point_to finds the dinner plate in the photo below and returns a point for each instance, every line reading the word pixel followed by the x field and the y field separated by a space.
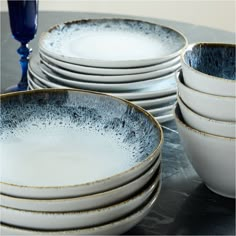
pixel 111 78
pixel 113 228
pixel 44 74
pixel 156 102
pixel 160 110
pixel 158 89
pixel 165 118
pixel 146 103
pixel 109 71
pixel 112 43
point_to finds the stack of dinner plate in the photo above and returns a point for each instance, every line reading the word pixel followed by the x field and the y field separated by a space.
pixel 76 162
pixel 131 59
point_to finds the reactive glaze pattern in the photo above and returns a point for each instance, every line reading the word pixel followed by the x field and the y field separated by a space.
pixel 99 39
pixel 75 111
pixel 212 59
pixel 95 43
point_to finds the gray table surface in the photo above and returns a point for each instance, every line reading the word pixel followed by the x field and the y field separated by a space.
pixel 185 205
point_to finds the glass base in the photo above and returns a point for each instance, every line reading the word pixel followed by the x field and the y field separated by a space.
pixel 16 88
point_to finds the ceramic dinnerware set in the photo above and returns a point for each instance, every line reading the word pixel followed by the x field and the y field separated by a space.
pixel 76 163
pixel 206 113
pixel 130 59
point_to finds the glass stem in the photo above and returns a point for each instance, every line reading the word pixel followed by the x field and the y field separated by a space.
pixel 24 52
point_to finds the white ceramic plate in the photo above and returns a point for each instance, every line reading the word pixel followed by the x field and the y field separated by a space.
pixel 156 102
pixel 79 219
pixel 113 228
pixel 111 78
pixel 48 75
pixel 165 118
pixel 61 126
pixel 109 71
pixel 112 43
pixel 160 110
pixel 158 89
pixel 88 202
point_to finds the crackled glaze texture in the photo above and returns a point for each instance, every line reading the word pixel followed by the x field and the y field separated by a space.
pixel 97 130
pixel 100 39
pixel 216 60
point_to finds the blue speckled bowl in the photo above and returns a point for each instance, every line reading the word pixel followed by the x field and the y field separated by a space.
pixel 42 115
pixel 210 68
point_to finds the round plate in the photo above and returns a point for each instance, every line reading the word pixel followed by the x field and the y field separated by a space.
pixel 109 71
pixel 111 78
pixel 50 78
pixel 156 102
pixel 112 43
pixel 160 89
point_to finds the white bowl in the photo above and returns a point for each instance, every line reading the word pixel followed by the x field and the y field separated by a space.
pixel 113 228
pixel 79 219
pixel 70 143
pixel 213 157
pixel 208 105
pixel 210 68
pixel 87 202
pixel 201 123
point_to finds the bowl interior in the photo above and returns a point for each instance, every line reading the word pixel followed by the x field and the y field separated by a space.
pixel 68 137
pixel 212 59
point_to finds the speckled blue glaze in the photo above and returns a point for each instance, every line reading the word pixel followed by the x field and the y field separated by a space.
pixel 213 59
pixel 79 110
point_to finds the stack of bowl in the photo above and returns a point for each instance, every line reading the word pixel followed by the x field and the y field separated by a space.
pixel 127 58
pixel 205 113
pixel 76 162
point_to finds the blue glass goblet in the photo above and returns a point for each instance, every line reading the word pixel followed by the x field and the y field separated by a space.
pixel 23 21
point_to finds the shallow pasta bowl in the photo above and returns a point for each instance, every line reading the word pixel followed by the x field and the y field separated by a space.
pixel 79 219
pixel 86 202
pixel 65 143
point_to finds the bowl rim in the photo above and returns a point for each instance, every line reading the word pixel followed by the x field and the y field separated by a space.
pixel 178 76
pixel 152 156
pixel 198 132
pixel 163 58
pixel 188 109
pixel 191 46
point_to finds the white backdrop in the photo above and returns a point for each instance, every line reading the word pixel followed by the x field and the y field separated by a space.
pixel 213 13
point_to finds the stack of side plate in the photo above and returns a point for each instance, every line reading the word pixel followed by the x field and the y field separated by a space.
pixel 76 162
pixel 131 59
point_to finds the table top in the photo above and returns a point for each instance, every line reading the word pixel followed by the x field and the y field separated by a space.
pixel 185 205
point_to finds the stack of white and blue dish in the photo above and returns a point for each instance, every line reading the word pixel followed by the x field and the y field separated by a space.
pixel 130 59
pixel 76 163
pixel 206 113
